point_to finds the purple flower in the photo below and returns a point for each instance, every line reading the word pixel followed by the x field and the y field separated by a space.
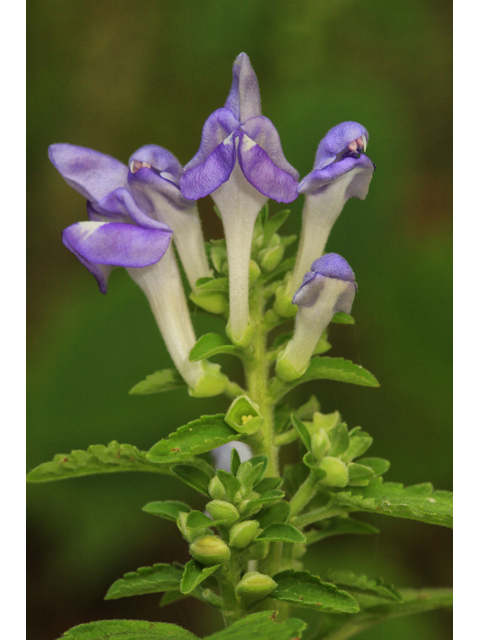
pixel 341 171
pixel 241 164
pixel 329 287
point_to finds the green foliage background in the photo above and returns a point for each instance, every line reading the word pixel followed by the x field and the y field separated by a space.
pixel 115 75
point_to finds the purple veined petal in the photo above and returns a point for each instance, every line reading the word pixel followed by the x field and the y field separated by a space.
pixel 336 141
pixel 202 179
pixel 263 174
pixel 145 181
pixel 333 265
pixel 122 202
pixel 159 159
pixel 95 214
pixel 218 126
pixel 262 131
pixel 357 188
pixel 100 271
pixel 244 97
pixel 117 244
pixel 91 173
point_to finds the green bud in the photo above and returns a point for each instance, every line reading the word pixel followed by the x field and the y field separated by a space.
pixel 255 586
pixel 259 550
pixel 325 421
pixel 218 254
pixel 245 340
pixel 216 488
pixel 271 258
pixel 189 533
pixel 320 443
pixel 211 301
pixel 283 304
pixel 285 369
pixel 254 271
pixel 212 382
pixel 223 510
pixel 336 470
pixel 243 533
pixel 244 416
pixel 210 550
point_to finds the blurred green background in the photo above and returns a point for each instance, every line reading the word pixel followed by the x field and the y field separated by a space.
pixel 116 75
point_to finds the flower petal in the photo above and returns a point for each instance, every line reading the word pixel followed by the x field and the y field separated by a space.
pixel 100 271
pixel 263 132
pixel 91 173
pixel 159 159
pixel 336 141
pixel 113 243
pixel 244 97
pixel 362 169
pixel 262 173
pixel 122 202
pixel 145 182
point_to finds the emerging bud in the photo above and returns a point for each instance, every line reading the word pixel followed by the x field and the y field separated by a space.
pixel 210 550
pixel 216 488
pixel 255 586
pixel 223 510
pixel 190 534
pixel 320 443
pixel 336 470
pixel 243 533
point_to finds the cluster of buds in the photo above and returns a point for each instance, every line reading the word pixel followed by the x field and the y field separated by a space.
pixel 135 210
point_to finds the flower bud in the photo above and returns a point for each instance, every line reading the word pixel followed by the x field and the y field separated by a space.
pixel 243 533
pixel 244 416
pixel 254 272
pixel 216 488
pixel 189 533
pixel 211 301
pixel 210 550
pixel 255 586
pixel 211 383
pixel 223 510
pixel 336 470
pixel 320 443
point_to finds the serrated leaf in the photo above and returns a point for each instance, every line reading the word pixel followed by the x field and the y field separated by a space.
pixel 168 509
pixel 262 626
pixel 342 318
pixel 212 344
pixel 96 459
pixel 281 532
pixel 159 577
pixel 274 513
pixel 212 284
pixel 363 585
pixel 199 436
pixel 273 224
pixel 418 502
pixel 267 498
pixel 128 630
pixel 196 478
pixel 301 589
pixel 230 483
pixel 339 369
pixel 158 382
pixel 268 484
pixel 339 526
pixel 302 431
pixel 195 574
pixel 379 466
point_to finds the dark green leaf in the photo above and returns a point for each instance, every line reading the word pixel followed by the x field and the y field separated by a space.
pixel 418 502
pixel 379 466
pixel 363 585
pixel 281 532
pixel 158 382
pixel 211 344
pixel 339 526
pixel 169 509
pixel 273 224
pixel 199 436
pixel 230 482
pixel 212 284
pixel 160 577
pixel 294 475
pixel 339 440
pixel 301 430
pixel 274 513
pixel 267 498
pixel 196 478
pixel 263 627
pixel 268 484
pixel 343 318
pixel 97 459
pixel 128 630
pixel 194 575
pixel 301 589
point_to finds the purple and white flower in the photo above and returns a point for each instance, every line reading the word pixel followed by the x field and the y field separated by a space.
pixel 121 233
pixel 341 171
pixel 329 287
pixel 240 162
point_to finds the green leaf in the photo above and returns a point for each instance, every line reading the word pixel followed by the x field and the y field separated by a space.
pixel 171 596
pixel 158 382
pixel 234 461
pixel 194 575
pixel 339 369
pixel 339 440
pixel 212 284
pixel 294 475
pixel 281 532
pixel 211 344
pixel 306 411
pixel 310 461
pixel 159 577
pixel 339 526
pixel 342 318
pixel 198 520
pixel 268 484
pixel 260 462
pixel 199 436
pixel 277 512
pixel 301 589
pixel 418 502
pixel 285 265
pixel 261 625
pixel 96 459
pixel 168 509
pixel 196 478
pixel 128 630
pixel 302 431
pixel 267 498
pixel 379 466
pixel 273 224
pixel 359 472
pixel 363 585
pixel 230 482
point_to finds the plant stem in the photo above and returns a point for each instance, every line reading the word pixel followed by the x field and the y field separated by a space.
pixel 304 494
pixel 228 577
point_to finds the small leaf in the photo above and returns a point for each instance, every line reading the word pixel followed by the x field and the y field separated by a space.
pixel 339 526
pixel 159 577
pixel 260 461
pixel 230 482
pixel 359 472
pixel 306 411
pixel 363 585
pixel 285 265
pixel 168 509
pixel 193 476
pixel 342 318
pixel 194 575
pixel 281 532
pixel 198 520
pixel 302 431
pixel 301 589
pixel 312 464
pixel 339 440
pixel 418 502
pixel 278 512
pixel 158 382
pixel 294 475
pixel 97 459
pixel 268 484
pixel 212 284
pixel 171 596
pixel 199 436
pixel 211 344
pixel 128 630
pixel 261 626
pixel 267 498
pixel 379 466
pixel 234 461
pixel 273 224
